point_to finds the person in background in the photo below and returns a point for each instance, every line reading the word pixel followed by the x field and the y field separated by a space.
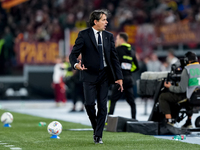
pixel 154 64
pixel 77 90
pixel 68 74
pixel 58 84
pixel 129 64
pixel 171 59
pixel 68 68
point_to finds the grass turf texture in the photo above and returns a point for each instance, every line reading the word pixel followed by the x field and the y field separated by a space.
pixel 26 134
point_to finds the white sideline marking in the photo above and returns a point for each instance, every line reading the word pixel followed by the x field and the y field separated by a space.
pixel 9 145
pixel 15 148
pixel 89 129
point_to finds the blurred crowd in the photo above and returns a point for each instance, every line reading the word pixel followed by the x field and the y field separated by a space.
pixel 46 20
pixel 43 20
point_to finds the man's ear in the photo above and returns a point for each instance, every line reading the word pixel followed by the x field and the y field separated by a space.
pixel 95 22
pixel 121 40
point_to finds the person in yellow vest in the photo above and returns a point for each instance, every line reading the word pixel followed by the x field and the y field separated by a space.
pixel 68 74
pixel 129 64
pixel 68 68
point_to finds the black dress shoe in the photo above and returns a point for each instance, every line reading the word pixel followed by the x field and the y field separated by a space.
pixel 98 140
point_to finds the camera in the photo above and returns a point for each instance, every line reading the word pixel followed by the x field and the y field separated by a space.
pixel 176 70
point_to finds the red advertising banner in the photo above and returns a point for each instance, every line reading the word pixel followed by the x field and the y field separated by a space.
pixel 37 52
pixel 178 33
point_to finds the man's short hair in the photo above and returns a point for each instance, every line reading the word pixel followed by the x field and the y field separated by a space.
pixel 191 56
pixel 96 15
pixel 124 36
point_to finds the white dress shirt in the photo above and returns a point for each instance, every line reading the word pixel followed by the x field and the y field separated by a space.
pixel 96 37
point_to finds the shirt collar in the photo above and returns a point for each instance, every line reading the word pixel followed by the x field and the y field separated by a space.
pixel 95 31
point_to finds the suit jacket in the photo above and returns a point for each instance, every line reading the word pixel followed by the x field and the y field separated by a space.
pixel 86 45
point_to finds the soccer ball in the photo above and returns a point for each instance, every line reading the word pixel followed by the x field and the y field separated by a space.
pixel 54 128
pixel 7 118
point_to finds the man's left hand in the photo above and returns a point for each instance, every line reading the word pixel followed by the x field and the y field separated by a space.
pixel 120 82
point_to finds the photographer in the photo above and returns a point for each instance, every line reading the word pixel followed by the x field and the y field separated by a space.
pixel 188 83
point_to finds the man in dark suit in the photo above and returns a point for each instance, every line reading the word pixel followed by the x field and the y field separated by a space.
pixel 99 67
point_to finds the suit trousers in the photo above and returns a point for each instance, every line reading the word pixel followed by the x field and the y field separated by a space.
pixel 97 90
pixel 128 91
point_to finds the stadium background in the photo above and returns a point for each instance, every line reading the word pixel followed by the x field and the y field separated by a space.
pixel 33 32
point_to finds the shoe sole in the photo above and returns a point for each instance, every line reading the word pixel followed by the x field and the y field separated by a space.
pixel 98 142
pixel 188 127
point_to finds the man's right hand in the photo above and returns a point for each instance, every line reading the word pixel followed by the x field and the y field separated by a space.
pixel 167 84
pixel 80 67
pixel 120 83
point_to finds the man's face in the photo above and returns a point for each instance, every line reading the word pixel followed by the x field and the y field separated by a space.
pixel 101 24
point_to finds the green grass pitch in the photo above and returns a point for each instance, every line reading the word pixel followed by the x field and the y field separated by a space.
pixel 26 134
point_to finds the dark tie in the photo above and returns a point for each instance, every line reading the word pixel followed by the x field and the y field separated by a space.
pixel 100 48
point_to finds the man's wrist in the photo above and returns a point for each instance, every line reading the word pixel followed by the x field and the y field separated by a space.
pixel 75 65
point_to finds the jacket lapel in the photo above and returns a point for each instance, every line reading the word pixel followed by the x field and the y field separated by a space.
pixel 92 37
pixel 105 41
